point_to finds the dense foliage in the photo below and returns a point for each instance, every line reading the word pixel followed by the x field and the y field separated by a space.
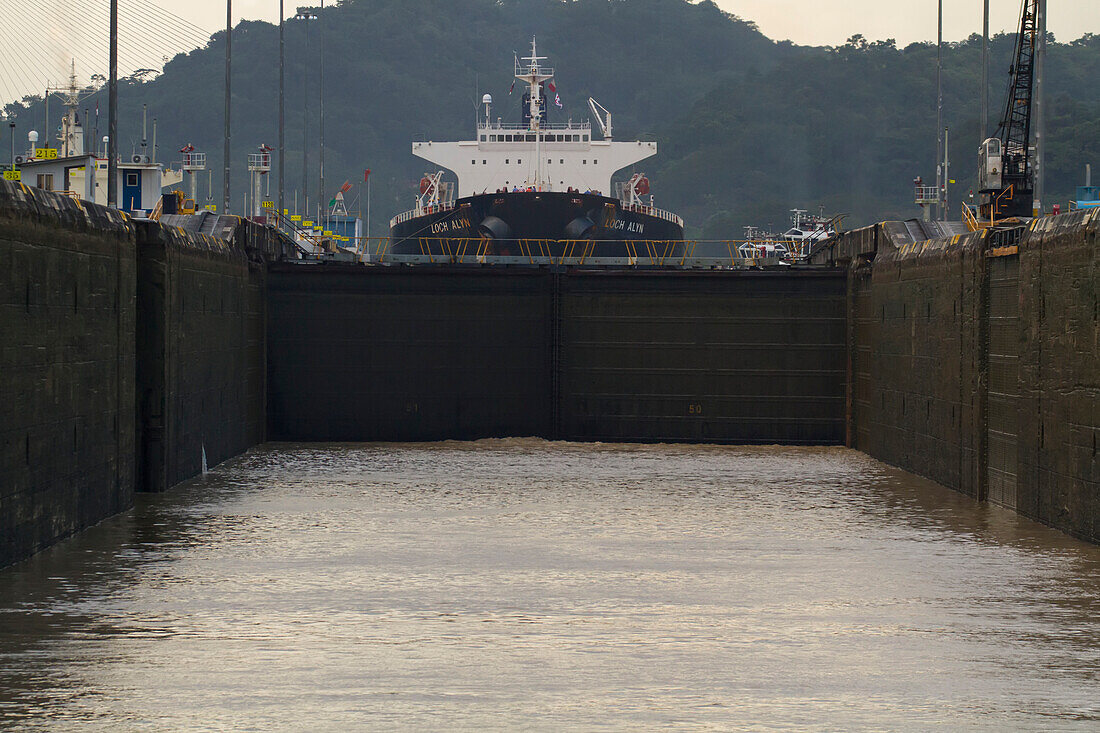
pixel 748 127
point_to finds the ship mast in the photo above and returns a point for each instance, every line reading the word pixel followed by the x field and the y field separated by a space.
pixel 534 74
pixel 71 134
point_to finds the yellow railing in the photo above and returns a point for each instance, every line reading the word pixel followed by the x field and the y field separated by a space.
pixel 995 208
pixel 643 252
pixel 972 223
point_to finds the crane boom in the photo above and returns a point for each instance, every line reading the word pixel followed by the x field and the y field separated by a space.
pixel 603 117
pixel 1007 181
pixel 1015 128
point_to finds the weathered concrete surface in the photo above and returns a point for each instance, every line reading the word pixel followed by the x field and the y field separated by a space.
pixel 977 365
pixel 1059 372
pixel 434 353
pixel 720 357
pixel 426 353
pixel 67 312
pixel 127 348
pixel 917 384
pixel 864 243
pixel 201 372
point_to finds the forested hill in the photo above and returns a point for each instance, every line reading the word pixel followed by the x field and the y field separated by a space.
pixel 748 127
pixel 848 128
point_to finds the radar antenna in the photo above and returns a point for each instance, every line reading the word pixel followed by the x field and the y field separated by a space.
pixel 603 117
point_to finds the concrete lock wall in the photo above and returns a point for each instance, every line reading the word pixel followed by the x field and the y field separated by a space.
pixel 127 347
pixel 201 354
pixel 978 365
pixel 435 353
pixel 915 323
pixel 1059 374
pixel 67 312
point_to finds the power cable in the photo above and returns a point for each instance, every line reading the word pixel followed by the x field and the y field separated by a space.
pixel 25 69
pixel 180 22
pixel 163 34
pixel 159 41
pixel 56 50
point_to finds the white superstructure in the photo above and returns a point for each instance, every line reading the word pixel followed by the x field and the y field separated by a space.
pixel 72 169
pixel 545 157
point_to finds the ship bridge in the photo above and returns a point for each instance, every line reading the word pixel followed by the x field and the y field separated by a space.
pixel 554 157
pixel 535 154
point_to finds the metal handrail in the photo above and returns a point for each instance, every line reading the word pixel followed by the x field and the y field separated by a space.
pixel 926 194
pixel 639 252
pixel 543 126
pixel 972 223
pixel 448 205
pixel 994 208
pixel 421 211
pixel 653 211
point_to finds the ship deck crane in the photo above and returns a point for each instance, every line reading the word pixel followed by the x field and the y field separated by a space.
pixel 603 117
pixel 1007 171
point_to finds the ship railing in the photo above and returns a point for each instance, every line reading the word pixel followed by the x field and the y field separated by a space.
pixel 421 211
pixel 543 126
pixel 448 205
pixel 653 211
pixel 677 254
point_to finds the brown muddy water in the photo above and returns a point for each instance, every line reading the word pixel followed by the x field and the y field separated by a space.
pixel 525 584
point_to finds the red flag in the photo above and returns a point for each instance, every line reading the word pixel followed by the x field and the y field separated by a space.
pixel 366 175
pixel 551 87
pixel 346 187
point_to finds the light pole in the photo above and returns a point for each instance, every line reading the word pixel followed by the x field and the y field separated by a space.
pixel 305 15
pixel 321 108
pixel 228 82
pixel 1040 108
pixel 282 146
pixel 112 112
pixel 939 108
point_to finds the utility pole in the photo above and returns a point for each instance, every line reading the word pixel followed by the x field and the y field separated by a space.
pixel 939 106
pixel 946 172
pixel 1040 107
pixel 228 82
pixel 305 15
pixel 321 106
pixel 282 79
pixel 112 112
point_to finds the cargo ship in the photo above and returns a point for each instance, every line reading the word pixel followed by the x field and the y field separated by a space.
pixel 535 185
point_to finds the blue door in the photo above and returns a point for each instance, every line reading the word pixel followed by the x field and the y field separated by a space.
pixel 131 190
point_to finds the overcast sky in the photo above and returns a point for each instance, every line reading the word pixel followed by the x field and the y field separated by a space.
pixel 35 60
pixel 811 22
pixel 831 22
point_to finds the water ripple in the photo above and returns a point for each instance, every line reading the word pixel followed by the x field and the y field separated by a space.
pixel 542 585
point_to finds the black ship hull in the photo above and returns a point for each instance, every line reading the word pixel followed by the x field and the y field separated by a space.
pixel 528 222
